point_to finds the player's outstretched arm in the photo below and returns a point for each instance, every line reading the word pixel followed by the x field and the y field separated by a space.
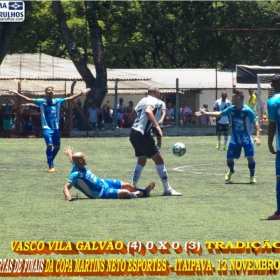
pixel 66 192
pixel 22 96
pixel 257 139
pixel 68 151
pixel 83 91
pixel 210 114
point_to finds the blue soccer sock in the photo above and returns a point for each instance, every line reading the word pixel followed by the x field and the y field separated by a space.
pixel 49 157
pixel 143 191
pixel 251 167
pixel 231 166
pixel 278 196
pixel 54 153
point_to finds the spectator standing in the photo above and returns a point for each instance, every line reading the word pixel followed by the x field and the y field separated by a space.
pixel 204 119
pixel 185 111
pixel 93 113
pixel 252 102
pixel 7 116
pixel 120 110
pixel 78 115
pixel 128 120
pixel 169 117
pixel 108 117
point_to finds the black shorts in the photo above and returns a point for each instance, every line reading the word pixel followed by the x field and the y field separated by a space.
pixel 222 127
pixel 154 131
pixel 144 145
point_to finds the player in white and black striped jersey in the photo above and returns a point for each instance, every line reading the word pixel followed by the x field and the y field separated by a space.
pixel 144 144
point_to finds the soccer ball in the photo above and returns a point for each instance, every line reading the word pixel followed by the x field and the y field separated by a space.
pixel 179 149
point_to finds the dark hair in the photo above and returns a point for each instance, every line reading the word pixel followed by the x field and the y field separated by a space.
pixel 239 92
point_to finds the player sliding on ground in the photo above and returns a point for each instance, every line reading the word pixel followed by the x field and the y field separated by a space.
pixel 93 187
pixel 241 135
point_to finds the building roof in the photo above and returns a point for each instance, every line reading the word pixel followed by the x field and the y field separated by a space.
pixel 37 71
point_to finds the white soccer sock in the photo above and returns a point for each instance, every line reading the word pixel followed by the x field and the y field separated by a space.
pixel 162 173
pixel 225 140
pixel 219 138
pixel 136 174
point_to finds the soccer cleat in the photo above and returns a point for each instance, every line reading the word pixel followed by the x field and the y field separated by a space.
pixel 172 192
pixel 148 189
pixel 274 217
pixel 218 145
pixel 253 180
pixel 225 148
pixel 51 170
pixel 228 176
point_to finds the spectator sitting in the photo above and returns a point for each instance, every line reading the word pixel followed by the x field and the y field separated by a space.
pixel 190 121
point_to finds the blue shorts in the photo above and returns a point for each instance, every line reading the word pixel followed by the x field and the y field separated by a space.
pixel 112 191
pixel 52 137
pixel 277 164
pixel 234 151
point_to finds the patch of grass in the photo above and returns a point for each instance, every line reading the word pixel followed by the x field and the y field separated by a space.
pixel 33 206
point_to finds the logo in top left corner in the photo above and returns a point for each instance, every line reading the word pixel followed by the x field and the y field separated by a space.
pixel 16 6
pixel 12 11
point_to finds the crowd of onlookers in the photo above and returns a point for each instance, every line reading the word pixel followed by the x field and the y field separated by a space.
pixel 90 118
pixel 103 118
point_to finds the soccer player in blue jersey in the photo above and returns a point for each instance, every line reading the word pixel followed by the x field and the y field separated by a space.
pixel 242 117
pixel 50 113
pixel 273 106
pixel 93 187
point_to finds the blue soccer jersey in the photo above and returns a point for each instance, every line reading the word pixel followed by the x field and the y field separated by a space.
pixel 50 112
pixel 273 109
pixel 242 120
pixel 92 186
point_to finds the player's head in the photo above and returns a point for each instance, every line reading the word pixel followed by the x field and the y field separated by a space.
pixel 275 82
pixel 49 92
pixel 250 91
pixel 237 97
pixel 153 91
pixel 79 159
pixel 224 95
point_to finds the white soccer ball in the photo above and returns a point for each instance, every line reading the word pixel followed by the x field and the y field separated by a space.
pixel 179 149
